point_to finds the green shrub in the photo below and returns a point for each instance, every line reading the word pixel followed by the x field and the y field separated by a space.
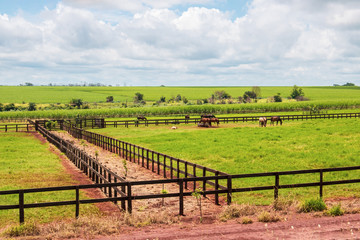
pixel 336 211
pixel 313 205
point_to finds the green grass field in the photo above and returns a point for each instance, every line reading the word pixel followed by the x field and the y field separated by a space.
pixel 44 94
pixel 246 148
pixel 26 163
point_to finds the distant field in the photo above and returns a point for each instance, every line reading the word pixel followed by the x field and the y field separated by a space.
pixel 27 163
pixel 246 148
pixel 44 94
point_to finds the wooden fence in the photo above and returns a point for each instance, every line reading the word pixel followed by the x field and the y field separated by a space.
pixel 16 127
pixel 175 121
pixel 159 163
pixel 97 172
pixel 129 197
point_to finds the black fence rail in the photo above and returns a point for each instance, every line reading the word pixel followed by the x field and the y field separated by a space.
pixel 97 172
pixel 16 127
pixel 130 197
pixel 162 164
pixel 195 120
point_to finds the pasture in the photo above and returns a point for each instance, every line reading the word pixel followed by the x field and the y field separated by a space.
pixel 246 148
pixel 59 94
pixel 27 163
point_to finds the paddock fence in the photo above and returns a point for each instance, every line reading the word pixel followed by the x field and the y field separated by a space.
pixel 159 163
pixel 129 197
pixel 16 127
pixel 89 165
pixel 195 120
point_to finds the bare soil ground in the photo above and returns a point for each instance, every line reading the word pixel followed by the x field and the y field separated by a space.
pixel 293 225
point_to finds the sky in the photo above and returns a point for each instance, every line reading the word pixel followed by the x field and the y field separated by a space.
pixel 180 42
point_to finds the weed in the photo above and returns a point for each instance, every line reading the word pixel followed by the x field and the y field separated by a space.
pixel 268 217
pixel 197 194
pixel 125 168
pixel 281 204
pixel 335 211
pixel 235 211
pixel 316 205
pixel 163 191
pixel 246 220
pixel 26 229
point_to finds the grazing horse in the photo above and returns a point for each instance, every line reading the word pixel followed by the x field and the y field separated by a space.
pixel 215 120
pixel 276 119
pixel 141 117
pixel 204 122
pixel 262 122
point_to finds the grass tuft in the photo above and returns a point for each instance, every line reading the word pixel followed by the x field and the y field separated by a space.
pixel 311 205
pixel 335 211
pixel 236 211
pixel 26 229
pixel 268 217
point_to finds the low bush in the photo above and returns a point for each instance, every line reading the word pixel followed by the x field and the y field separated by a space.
pixel 336 211
pixel 315 205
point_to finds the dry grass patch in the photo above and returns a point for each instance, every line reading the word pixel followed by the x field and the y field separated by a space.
pixel 268 217
pixel 89 226
pixel 236 211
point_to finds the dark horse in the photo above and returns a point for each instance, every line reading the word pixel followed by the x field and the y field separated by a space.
pixel 207 116
pixel 262 122
pixel 141 117
pixel 276 119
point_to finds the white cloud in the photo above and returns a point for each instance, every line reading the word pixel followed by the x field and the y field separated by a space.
pixel 276 43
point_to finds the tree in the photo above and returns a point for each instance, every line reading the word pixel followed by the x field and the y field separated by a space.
pixel 138 97
pixel 109 99
pixel 1 107
pixel 277 98
pixel 76 102
pixel 184 99
pixel 178 98
pixel 257 91
pixel 29 84
pixel 221 95
pixel 162 99
pixel 296 92
pixel 31 107
pixel 9 107
pixel 249 94
pixel 349 84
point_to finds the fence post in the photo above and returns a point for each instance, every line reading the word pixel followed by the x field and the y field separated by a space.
pixel 216 188
pixel 321 184
pixel 164 166
pixel 194 173
pixel 77 206
pixel 276 188
pixel 204 182
pixel 229 190
pixel 181 196
pixel 21 206
pixel 158 163
pixel 186 173
pixel 129 197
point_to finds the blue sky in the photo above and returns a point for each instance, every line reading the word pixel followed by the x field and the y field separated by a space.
pixel 180 42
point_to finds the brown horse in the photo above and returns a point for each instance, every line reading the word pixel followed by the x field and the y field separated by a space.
pixel 204 122
pixel 215 120
pixel 262 122
pixel 141 117
pixel 276 119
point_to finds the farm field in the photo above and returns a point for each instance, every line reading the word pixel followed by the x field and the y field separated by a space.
pixel 27 163
pixel 246 148
pixel 46 94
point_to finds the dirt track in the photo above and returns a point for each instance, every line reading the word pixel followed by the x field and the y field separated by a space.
pixel 345 227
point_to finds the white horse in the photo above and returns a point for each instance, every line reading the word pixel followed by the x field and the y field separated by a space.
pixel 262 122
